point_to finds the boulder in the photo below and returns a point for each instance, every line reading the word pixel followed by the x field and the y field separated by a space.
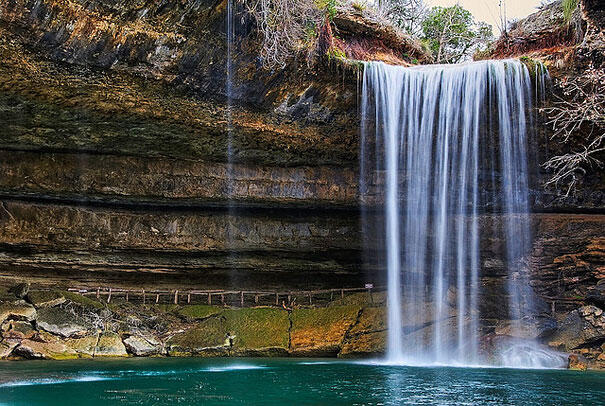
pixel 7 347
pixel 141 347
pixel 54 349
pixel 580 328
pixel 110 345
pixel 205 338
pixel 85 347
pixel 61 322
pixel 45 298
pixel 17 330
pixel 17 311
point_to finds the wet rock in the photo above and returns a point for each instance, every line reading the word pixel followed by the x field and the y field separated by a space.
pixel 61 322
pixel 141 347
pixel 320 332
pixel 44 346
pixel 364 345
pixel 17 311
pixel 205 338
pixel 577 362
pixel 110 345
pixel 371 319
pixel 260 352
pixel 45 298
pixel 581 328
pixel 85 346
pixel 530 329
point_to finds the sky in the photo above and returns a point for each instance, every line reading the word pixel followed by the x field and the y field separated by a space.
pixel 488 10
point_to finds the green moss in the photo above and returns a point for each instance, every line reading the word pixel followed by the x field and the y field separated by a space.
pixel 197 311
pixel 83 300
pixel 45 297
pixel 258 327
pixel 321 331
pixel 165 308
pixel 323 317
pixel 208 333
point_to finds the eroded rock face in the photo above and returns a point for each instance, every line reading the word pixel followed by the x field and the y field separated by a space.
pixel 61 322
pixel 45 298
pixel 110 345
pixel 140 346
pixel 17 311
pixel 320 332
pixel 584 327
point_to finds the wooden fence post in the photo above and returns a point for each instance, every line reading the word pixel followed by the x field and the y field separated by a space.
pixel 157 298
pixel 241 298
pixel 277 299
pixel 127 296
pixel 176 297
pixel 188 297
pixel 109 296
pixel 143 296
pixel 209 299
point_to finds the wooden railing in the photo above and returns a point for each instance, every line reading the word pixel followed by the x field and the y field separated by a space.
pixel 223 297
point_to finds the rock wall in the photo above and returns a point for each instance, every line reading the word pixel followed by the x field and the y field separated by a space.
pixel 115 168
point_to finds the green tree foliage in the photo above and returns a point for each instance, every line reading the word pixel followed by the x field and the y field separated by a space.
pixel 453 34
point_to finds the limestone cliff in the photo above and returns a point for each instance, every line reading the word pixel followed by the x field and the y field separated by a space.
pixel 115 131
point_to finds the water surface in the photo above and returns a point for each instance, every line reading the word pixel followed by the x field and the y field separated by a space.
pixel 285 381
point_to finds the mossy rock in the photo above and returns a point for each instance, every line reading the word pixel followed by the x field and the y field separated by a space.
pixel 59 321
pixel 85 346
pixel 110 345
pixel 206 334
pixel 44 350
pixel 165 308
pixel 45 298
pixel 198 312
pixel 17 311
pixel 257 328
pixel 364 345
pixel 321 331
pixel 83 301
pixel 371 319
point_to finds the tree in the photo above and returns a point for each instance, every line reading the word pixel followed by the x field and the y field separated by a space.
pixel 452 33
pixel 578 118
pixel 406 14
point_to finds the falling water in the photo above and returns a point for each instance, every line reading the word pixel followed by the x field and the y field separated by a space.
pixel 428 134
pixel 229 94
pixel 230 168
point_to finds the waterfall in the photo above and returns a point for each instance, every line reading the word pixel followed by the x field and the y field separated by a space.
pixel 442 146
